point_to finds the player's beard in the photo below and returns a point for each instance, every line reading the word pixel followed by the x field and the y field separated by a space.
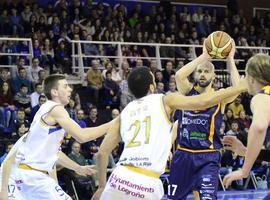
pixel 203 84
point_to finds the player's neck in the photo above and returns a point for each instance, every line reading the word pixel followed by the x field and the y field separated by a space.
pixel 203 89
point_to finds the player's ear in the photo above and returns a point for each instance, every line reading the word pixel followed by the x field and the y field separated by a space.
pixel 152 88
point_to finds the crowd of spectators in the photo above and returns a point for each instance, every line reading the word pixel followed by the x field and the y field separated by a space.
pixel 106 94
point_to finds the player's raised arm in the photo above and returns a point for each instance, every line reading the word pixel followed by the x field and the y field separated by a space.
pixel 181 76
pixel 61 116
pixel 202 101
pixel 235 77
pixel 109 143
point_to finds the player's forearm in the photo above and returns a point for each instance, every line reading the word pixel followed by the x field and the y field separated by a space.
pixel 89 134
pixel 187 69
pixel 216 97
pixel 102 163
pixel 255 143
pixel 66 162
pixel 235 77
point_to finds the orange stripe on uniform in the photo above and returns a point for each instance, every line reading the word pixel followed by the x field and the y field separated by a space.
pixel 212 127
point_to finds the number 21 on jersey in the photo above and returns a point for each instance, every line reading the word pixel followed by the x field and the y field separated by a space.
pixel 137 124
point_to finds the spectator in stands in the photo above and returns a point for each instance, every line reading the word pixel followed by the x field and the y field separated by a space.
pixel 15 70
pixel 41 100
pixel 111 93
pixel 23 100
pixel 4 77
pixel 243 121
pixel 16 22
pixel 9 145
pixel 33 70
pixel 80 118
pixel 116 76
pixel 159 77
pixel 47 54
pixel 26 14
pixel 71 109
pixel 42 74
pixel 203 27
pixel 20 80
pixel 95 80
pixel 62 58
pixel 167 51
pixel 67 176
pixel 35 95
pixel 18 122
pixel 7 108
pixel 36 50
pixel 160 88
pixel 93 119
pixel 228 118
pixel 172 87
pixel 167 72
pixel 236 107
pixel 5 24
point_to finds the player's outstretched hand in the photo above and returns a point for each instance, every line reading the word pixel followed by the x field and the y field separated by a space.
pixel 236 175
pixel 205 53
pixel 97 194
pixel 233 144
pixel 232 52
pixel 86 170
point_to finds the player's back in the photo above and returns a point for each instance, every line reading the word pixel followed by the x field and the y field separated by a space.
pixel 146 132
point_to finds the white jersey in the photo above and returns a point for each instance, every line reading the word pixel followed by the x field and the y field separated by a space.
pixel 146 132
pixel 13 192
pixel 40 151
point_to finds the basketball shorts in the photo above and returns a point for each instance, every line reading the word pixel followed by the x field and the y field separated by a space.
pixel 13 192
pixel 194 172
pixel 35 185
pixel 125 183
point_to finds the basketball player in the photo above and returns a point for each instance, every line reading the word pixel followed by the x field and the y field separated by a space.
pixel 9 189
pixel 258 80
pixel 145 130
pixel 195 164
pixel 36 157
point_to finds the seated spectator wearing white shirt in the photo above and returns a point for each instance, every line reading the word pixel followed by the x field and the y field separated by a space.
pixel 35 95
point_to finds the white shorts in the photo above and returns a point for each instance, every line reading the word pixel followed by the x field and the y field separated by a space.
pixel 126 184
pixel 35 185
pixel 13 192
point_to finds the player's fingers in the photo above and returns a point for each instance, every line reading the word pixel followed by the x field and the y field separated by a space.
pixel 227 181
pixel 228 148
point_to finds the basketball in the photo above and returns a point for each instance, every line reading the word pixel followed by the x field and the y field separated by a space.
pixel 218 44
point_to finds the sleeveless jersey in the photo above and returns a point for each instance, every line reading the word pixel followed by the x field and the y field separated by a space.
pixel 43 141
pixel 200 129
pixel 146 132
pixel 266 90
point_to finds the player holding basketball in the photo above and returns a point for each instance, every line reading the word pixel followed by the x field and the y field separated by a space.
pixel 36 158
pixel 145 130
pixel 258 79
pixel 195 164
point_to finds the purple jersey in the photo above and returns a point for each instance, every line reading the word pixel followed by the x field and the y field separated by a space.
pixel 199 130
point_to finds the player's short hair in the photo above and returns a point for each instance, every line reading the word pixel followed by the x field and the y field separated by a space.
pixel 139 81
pixel 258 67
pixel 51 82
